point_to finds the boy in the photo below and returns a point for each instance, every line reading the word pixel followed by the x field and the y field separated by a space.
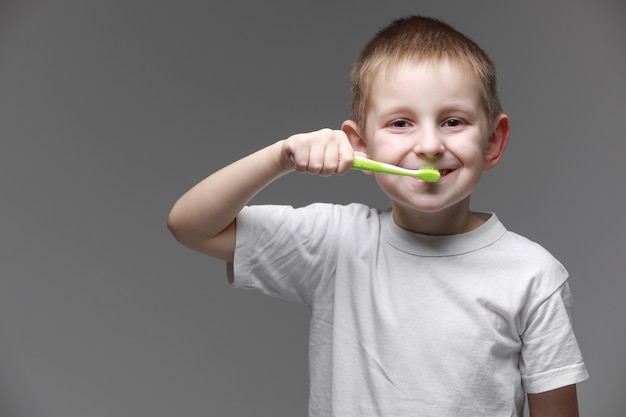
pixel 424 309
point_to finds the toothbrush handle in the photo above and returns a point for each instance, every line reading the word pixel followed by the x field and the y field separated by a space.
pixel 365 164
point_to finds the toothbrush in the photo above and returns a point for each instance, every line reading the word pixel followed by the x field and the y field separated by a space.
pixel 428 174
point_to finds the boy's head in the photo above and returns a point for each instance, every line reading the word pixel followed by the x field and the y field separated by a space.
pixel 418 38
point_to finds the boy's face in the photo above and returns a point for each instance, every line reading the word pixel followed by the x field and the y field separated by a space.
pixel 424 113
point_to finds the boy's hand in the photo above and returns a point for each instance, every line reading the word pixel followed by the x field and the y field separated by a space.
pixel 204 218
pixel 324 152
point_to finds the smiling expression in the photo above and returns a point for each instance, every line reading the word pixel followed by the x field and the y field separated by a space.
pixel 428 113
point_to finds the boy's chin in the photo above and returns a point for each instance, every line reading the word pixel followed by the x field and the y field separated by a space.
pixel 431 206
pixel 413 210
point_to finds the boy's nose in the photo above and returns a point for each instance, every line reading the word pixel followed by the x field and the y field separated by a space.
pixel 429 145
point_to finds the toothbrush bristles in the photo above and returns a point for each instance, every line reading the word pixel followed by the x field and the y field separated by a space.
pixel 429 174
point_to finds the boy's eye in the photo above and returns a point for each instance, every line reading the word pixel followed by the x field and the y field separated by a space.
pixel 453 122
pixel 399 123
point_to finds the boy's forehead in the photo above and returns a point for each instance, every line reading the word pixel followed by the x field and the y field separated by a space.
pixel 392 68
pixel 449 73
pixel 424 86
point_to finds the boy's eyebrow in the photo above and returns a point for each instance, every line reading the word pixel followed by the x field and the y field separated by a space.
pixel 465 107
pixel 394 110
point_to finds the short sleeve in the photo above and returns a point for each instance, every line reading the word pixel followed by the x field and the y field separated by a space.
pixel 550 356
pixel 283 251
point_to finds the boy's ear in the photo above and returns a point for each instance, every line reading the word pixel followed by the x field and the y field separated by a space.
pixel 497 142
pixel 353 132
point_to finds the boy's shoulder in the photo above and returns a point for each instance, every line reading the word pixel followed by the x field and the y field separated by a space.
pixel 543 271
pixel 525 247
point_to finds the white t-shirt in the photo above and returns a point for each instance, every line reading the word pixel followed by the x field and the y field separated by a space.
pixel 405 324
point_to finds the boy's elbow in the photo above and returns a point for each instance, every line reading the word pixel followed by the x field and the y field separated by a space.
pixel 220 245
pixel 173 226
pixel 176 226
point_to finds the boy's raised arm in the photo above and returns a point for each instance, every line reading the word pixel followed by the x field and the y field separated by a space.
pixel 203 219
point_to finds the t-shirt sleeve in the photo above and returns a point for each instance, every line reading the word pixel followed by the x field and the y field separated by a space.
pixel 550 356
pixel 283 251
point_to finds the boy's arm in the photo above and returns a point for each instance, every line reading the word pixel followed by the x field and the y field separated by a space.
pixel 203 219
pixel 560 402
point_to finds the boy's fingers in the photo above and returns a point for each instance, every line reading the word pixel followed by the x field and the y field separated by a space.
pixel 297 148
pixel 338 154
pixel 316 160
pixel 330 160
pixel 346 156
pixel 324 152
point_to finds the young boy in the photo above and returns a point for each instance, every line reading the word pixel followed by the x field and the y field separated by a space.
pixel 423 309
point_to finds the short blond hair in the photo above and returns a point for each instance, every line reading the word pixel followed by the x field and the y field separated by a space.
pixel 422 39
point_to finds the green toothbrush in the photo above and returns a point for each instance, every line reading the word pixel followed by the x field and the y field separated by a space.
pixel 428 174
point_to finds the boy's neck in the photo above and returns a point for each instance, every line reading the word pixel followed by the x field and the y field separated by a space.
pixel 448 222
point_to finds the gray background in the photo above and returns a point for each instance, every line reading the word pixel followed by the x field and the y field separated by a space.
pixel 111 109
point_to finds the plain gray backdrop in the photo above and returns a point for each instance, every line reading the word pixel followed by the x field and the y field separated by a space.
pixel 111 109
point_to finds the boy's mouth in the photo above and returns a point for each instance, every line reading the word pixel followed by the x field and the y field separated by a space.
pixel 445 172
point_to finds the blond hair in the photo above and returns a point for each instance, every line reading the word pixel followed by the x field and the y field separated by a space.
pixel 422 39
